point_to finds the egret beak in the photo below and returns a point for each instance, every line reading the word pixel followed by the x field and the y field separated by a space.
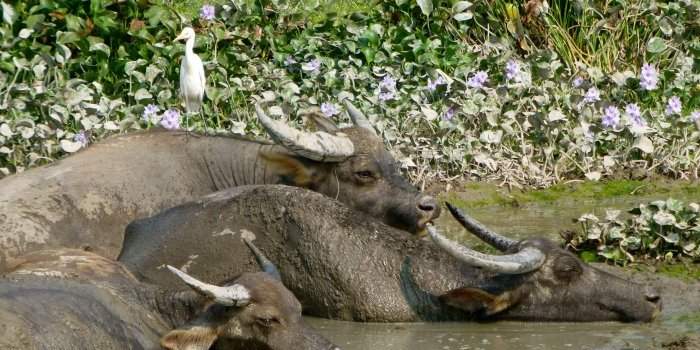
pixel 179 37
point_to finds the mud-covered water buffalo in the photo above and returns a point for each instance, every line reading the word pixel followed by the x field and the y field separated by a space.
pixel 72 299
pixel 343 265
pixel 87 199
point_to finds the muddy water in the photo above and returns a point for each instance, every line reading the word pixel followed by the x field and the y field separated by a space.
pixel 543 219
pixel 502 335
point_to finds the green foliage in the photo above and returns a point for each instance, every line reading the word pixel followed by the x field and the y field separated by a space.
pixel 660 230
pixel 72 66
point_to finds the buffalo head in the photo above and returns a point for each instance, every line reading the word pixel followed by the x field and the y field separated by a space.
pixel 255 311
pixel 351 165
pixel 535 279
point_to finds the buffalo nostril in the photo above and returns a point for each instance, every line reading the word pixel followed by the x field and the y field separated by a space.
pixel 653 297
pixel 427 204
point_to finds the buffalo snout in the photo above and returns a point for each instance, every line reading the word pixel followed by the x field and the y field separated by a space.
pixel 428 209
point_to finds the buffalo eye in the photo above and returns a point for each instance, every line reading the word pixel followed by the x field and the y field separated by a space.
pixel 364 175
pixel 567 267
pixel 267 322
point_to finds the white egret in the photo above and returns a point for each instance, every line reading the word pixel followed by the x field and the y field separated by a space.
pixel 192 80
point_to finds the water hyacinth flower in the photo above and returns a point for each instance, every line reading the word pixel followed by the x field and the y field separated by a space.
pixel 578 81
pixel 695 116
pixel 592 95
pixel 289 60
pixel 171 119
pixel 207 13
pixel 634 114
pixel 81 138
pixel 387 88
pixel 649 77
pixel 386 96
pixel 388 83
pixel 674 106
pixel 512 69
pixel 312 66
pixel 329 109
pixel 449 114
pixel 611 117
pixel 150 113
pixel 478 80
pixel 433 84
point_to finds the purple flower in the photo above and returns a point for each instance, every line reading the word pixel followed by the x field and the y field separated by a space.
pixel 611 117
pixel 649 78
pixel 171 119
pixel 449 114
pixel 207 12
pixel 150 113
pixel 386 96
pixel 329 109
pixel 634 114
pixel 432 85
pixel 478 80
pixel 289 60
pixel 388 83
pixel 695 116
pixel 312 66
pixel 592 95
pixel 81 138
pixel 578 81
pixel 512 69
pixel 673 106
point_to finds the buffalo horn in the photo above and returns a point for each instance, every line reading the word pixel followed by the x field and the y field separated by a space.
pixel 477 229
pixel 319 146
pixel 235 295
pixel 526 260
pixel 358 118
pixel 266 265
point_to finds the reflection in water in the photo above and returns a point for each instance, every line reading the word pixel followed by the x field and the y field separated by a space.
pixel 541 219
pixel 498 335
pixel 487 336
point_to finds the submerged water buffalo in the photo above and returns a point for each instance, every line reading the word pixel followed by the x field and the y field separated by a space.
pixel 87 199
pixel 342 265
pixel 72 299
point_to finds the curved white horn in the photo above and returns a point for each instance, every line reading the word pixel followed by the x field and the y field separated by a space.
pixel 358 118
pixel 320 145
pixel 495 240
pixel 235 295
pixel 526 260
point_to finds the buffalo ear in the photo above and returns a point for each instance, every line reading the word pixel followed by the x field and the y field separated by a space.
pixel 290 168
pixel 323 123
pixel 195 338
pixel 476 300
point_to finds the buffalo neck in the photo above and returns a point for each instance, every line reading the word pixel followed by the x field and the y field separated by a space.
pixel 231 161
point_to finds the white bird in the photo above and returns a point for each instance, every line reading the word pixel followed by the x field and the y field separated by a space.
pixel 192 80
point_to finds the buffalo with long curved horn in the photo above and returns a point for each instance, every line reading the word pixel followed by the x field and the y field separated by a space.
pixel 86 200
pixel 344 265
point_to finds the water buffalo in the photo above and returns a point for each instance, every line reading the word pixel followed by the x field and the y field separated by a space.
pixel 343 265
pixel 72 299
pixel 87 199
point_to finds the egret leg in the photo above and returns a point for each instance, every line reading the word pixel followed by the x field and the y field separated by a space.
pixel 204 121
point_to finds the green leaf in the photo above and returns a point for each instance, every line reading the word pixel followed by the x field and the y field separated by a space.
pixel 589 256
pixel 67 37
pixel 656 45
pixel 460 6
pixel 8 13
pixel 463 16
pixel 426 6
